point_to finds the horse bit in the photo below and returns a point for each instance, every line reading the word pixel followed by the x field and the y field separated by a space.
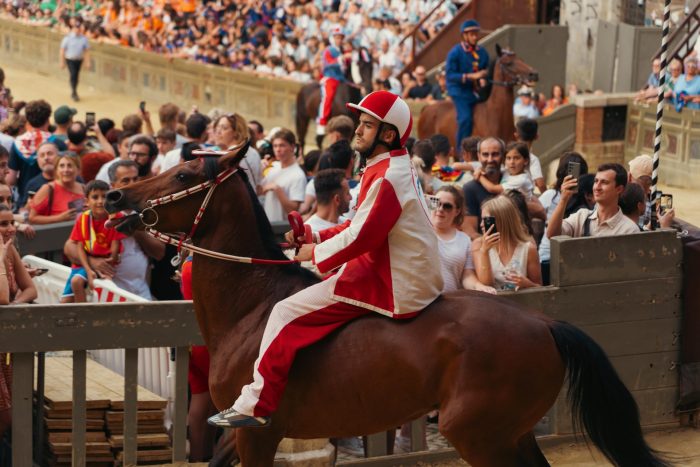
pixel 186 240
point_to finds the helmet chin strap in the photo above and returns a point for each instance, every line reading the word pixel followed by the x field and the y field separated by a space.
pixel 364 155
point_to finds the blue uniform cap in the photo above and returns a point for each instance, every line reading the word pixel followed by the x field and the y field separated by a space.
pixel 471 25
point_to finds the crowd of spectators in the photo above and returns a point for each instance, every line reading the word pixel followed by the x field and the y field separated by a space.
pixel 270 37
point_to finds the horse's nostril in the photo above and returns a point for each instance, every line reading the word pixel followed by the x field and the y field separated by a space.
pixel 114 197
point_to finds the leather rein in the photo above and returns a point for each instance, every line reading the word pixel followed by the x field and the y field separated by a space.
pixel 186 240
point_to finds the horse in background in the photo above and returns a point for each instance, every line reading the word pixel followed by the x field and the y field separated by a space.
pixel 494 116
pixel 492 368
pixel 359 81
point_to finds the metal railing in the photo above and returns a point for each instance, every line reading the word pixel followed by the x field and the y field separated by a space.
pixel 685 36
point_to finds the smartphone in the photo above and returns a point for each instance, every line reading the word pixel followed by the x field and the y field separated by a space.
pixel 89 119
pixel 142 106
pixel 488 222
pixel 77 204
pixel 665 203
pixel 574 169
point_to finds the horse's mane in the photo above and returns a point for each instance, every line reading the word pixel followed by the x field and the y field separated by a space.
pixel 267 236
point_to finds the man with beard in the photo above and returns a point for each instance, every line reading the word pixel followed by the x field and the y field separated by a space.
pixel 386 254
pixel 143 150
pixel 490 151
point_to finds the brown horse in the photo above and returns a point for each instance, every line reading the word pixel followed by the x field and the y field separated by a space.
pixel 492 368
pixel 494 117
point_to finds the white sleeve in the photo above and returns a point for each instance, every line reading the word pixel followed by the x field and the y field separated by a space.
pixel 535 167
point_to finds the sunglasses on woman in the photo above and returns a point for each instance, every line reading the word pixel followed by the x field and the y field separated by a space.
pixel 445 206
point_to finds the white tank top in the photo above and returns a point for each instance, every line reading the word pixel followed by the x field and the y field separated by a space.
pixel 517 263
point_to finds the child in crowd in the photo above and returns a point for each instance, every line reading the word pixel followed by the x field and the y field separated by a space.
pixel 516 176
pixel 90 233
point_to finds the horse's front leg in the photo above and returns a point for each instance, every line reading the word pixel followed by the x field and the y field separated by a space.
pixel 257 446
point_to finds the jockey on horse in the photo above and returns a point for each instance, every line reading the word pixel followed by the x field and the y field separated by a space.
pixel 386 257
pixel 332 60
pixel 466 69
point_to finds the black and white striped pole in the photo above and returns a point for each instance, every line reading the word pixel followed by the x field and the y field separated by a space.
pixel 655 194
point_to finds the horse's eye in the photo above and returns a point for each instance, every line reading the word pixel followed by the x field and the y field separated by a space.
pixel 181 177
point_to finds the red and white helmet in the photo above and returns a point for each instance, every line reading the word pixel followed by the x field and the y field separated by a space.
pixel 389 108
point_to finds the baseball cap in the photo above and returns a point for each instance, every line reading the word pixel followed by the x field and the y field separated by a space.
pixel 641 166
pixel 63 114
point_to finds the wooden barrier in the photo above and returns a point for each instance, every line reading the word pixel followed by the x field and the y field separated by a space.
pixel 623 291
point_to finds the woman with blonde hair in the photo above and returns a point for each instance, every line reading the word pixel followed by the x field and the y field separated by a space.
pixel 504 256
pixel 61 199
pixel 230 130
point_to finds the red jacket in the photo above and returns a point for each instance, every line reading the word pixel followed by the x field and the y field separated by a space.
pixel 389 251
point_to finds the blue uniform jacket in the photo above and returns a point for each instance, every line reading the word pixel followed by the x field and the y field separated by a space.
pixel 459 62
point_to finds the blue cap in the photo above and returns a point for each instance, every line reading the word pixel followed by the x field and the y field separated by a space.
pixel 471 25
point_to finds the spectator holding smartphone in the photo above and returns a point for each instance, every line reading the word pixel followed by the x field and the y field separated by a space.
pixel 91 238
pixel 504 256
pixel 61 199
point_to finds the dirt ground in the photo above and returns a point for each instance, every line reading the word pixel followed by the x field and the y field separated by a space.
pixel 681 445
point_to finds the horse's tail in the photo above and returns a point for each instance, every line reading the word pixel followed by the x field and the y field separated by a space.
pixel 601 402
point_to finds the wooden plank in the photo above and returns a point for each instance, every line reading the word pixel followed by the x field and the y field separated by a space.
pixel 91 414
pixel 78 421
pixel 130 382
pixel 418 435
pixel 35 328
pixel 141 429
pixel 67 424
pixel 91 447
pixel 637 337
pixel 117 441
pixel 616 302
pixel 150 455
pixel 22 377
pixel 67 437
pixel 648 371
pixel 141 416
pixel 182 359
pixel 647 255
pixel 376 444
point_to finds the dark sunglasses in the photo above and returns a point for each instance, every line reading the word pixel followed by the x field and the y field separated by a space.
pixel 445 206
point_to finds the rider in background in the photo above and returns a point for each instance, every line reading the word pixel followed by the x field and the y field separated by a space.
pixel 333 75
pixel 466 70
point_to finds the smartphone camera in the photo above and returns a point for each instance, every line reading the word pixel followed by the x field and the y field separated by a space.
pixel 665 203
pixel 488 222
pixel 89 119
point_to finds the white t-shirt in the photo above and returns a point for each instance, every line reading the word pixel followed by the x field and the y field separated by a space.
pixel 132 270
pixel 550 201
pixel 317 224
pixel 7 141
pixel 292 180
pixel 103 173
pixel 311 189
pixel 535 168
pixel 253 167
pixel 521 182
pixel 171 159
pixel 455 257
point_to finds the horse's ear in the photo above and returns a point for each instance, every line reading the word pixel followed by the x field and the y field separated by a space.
pixel 499 51
pixel 233 157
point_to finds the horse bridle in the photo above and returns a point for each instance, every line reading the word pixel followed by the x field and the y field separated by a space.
pixel 186 240
pixel 505 71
